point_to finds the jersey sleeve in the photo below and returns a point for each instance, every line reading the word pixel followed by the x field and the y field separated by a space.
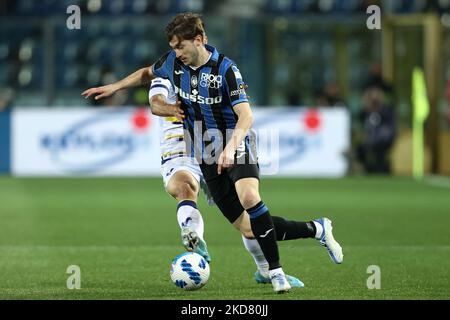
pixel 161 67
pixel 159 86
pixel 235 86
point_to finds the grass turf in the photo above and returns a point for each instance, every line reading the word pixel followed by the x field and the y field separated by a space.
pixel 123 234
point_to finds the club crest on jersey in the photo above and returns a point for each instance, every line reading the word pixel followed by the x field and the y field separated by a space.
pixel 208 80
pixel 194 81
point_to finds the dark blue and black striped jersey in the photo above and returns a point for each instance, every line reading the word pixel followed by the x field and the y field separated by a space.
pixel 208 93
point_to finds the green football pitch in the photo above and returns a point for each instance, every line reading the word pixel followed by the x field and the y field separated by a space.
pixel 123 234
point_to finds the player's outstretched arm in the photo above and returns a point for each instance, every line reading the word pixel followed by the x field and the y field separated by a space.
pixel 140 77
pixel 161 108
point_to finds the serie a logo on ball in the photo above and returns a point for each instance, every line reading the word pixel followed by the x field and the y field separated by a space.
pixel 189 271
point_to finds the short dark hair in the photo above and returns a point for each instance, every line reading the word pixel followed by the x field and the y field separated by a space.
pixel 186 26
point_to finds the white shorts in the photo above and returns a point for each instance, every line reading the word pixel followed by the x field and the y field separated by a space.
pixel 169 168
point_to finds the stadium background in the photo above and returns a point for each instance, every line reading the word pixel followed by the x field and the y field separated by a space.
pixel 297 57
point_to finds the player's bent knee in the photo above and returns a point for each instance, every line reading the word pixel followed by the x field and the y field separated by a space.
pixel 182 190
pixel 172 190
pixel 182 185
pixel 249 198
pixel 186 191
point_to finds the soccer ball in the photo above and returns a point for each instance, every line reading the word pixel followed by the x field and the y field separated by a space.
pixel 189 271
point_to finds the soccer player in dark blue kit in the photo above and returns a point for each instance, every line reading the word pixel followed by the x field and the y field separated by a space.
pixel 218 117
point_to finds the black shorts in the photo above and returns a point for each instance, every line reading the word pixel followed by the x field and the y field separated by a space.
pixel 222 186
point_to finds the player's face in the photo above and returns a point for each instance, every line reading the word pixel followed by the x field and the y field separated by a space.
pixel 187 50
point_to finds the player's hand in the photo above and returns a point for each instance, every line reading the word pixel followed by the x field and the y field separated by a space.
pixel 226 160
pixel 100 92
pixel 177 111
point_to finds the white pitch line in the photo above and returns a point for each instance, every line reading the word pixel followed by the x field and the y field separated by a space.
pixel 437 181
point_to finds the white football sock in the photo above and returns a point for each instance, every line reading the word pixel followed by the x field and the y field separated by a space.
pixel 275 271
pixel 189 216
pixel 254 249
pixel 319 229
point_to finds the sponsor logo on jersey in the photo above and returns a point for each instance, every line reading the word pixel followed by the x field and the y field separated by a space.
pixel 208 80
pixel 195 97
pixel 239 91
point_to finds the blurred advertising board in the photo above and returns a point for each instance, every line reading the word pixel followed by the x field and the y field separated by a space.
pixel 303 141
pixel 291 142
pixel 4 141
pixel 93 142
